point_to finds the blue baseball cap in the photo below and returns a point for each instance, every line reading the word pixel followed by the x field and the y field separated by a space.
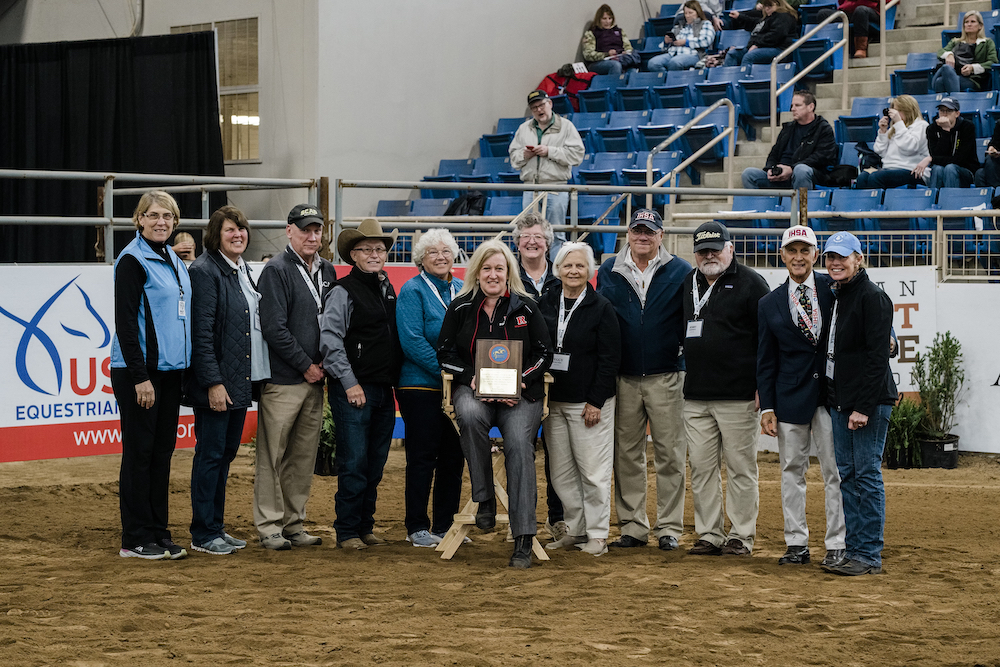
pixel 843 243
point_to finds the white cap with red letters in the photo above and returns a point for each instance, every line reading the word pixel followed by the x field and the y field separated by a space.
pixel 799 233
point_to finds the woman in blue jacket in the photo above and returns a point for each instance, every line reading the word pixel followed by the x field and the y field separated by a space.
pixel 433 452
pixel 151 349
pixel 228 363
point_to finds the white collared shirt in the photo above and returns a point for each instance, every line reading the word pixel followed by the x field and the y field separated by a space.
pixel 642 277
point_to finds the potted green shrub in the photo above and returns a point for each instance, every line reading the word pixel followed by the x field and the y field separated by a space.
pixel 940 379
pixel 902 450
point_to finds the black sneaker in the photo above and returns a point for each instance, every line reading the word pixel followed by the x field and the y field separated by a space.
pixel 174 551
pixel 145 551
pixel 627 542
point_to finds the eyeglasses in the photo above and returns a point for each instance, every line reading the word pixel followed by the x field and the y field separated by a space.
pixel 377 250
pixel 438 253
pixel 642 230
pixel 167 217
pixel 537 238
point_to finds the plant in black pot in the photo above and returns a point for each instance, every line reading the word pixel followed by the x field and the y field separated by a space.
pixel 940 379
pixel 901 447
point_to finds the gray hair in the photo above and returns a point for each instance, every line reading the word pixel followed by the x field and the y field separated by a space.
pixel 530 220
pixel 430 238
pixel 575 246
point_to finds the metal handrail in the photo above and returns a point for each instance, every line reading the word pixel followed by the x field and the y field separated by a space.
pixel 731 131
pixel 883 5
pixel 845 42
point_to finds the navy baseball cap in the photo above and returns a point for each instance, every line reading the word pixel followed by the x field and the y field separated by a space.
pixel 647 217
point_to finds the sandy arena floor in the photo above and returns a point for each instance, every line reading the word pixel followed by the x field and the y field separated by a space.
pixel 67 599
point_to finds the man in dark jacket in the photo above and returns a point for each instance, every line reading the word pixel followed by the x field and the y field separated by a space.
pixel 803 153
pixel 951 142
pixel 794 325
pixel 720 414
pixel 362 354
pixel 643 283
pixel 290 413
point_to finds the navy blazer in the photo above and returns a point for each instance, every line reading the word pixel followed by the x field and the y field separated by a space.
pixel 790 369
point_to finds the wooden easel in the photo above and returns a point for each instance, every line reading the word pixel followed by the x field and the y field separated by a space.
pixel 464 520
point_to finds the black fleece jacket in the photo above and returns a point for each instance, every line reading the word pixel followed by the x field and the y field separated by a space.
pixel 593 342
pixel 954 146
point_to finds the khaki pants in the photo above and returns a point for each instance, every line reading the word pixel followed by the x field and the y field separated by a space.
pixel 656 400
pixel 717 431
pixel 289 418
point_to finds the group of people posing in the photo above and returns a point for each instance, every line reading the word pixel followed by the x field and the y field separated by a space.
pixel 689 355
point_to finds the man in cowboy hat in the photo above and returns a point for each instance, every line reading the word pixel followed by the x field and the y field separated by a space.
pixel 290 411
pixel 361 352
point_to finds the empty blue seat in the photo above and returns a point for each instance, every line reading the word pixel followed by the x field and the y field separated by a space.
pixel 503 206
pixel 663 123
pixel 928 104
pixel 910 82
pixel 562 105
pixel 663 163
pixel 455 167
pixel 605 168
pixel 921 61
pixel 439 194
pixel 850 128
pixel 487 170
pixel 811 50
pixel 495 145
pixel 589 209
pixel 678 90
pixel 721 82
pixel 651 46
pixel 758 204
pixel 734 39
pixel 976 109
pixel 620 135
pixel 388 207
pixel 660 25
pixel 757 90
pixel 952 199
pixel 902 199
pixel 509 124
pixel 586 122
pixel 638 94
pixel 817 200
pixel 849 153
pixel 833 33
pixel 429 207
pixel 809 14
pixel 601 93
pixel 981 145
pixel 851 201
pixel 709 127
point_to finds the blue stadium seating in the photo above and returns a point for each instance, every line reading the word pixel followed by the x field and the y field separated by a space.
pixel 663 163
pixel 389 207
pixel 561 104
pixel 734 39
pixel 851 201
pixel 495 145
pixel 951 199
pixel 620 136
pixel 707 129
pixel 638 94
pixel 589 208
pixel 605 168
pixel 975 108
pixel 428 207
pixel 586 123
pixel 503 206
pixel 902 199
pixel 659 26
pixel 759 204
pixel 651 46
pixel 808 14
pixel 678 90
pixel 757 90
pixel 509 124
pixel 601 93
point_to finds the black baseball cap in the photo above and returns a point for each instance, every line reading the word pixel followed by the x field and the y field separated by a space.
pixel 304 215
pixel 647 217
pixel 711 236
pixel 537 96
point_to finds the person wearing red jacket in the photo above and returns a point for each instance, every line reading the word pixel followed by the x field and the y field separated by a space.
pixel 864 22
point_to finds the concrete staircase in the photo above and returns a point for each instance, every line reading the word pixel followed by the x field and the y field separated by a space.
pixel 918 30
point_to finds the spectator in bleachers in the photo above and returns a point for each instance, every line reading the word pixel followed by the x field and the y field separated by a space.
pixel 606 48
pixel 864 18
pixel 989 175
pixel 545 149
pixel 772 30
pixel 713 12
pixel 805 148
pixel 902 144
pixel 967 59
pixel 951 141
pixel 185 247
pixel 687 47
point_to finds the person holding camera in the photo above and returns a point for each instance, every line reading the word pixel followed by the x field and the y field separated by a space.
pixel 902 144
pixel 805 148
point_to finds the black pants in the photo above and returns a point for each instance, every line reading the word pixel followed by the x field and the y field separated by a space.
pixel 148 439
pixel 433 455
pixel 865 22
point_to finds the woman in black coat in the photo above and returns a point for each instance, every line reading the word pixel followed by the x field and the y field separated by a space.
pixel 860 395
pixel 229 356
pixel 580 427
pixel 774 29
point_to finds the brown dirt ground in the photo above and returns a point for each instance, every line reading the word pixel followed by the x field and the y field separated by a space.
pixel 66 598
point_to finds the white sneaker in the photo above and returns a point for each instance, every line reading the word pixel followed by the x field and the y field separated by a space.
pixel 558 530
pixel 566 542
pixel 595 546
pixel 423 538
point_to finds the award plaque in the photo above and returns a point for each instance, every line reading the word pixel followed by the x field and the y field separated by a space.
pixel 498 368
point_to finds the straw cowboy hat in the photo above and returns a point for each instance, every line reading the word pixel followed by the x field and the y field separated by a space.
pixel 368 229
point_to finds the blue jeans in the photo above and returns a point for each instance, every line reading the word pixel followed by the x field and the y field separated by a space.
pixel 557 203
pixel 665 61
pixel 948 80
pixel 217 440
pixel 363 438
pixel 885 178
pixel 859 459
pixel 519 427
pixel 745 57
pixel 802 177
pixel 606 67
pixel 950 176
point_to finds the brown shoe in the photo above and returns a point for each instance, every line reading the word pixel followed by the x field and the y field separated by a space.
pixel 860 47
pixel 373 540
pixel 704 548
pixel 735 548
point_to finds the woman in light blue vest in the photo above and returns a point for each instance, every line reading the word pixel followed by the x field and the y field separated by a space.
pixel 151 349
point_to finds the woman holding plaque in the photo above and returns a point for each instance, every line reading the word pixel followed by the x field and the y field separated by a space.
pixel 580 428
pixel 493 306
